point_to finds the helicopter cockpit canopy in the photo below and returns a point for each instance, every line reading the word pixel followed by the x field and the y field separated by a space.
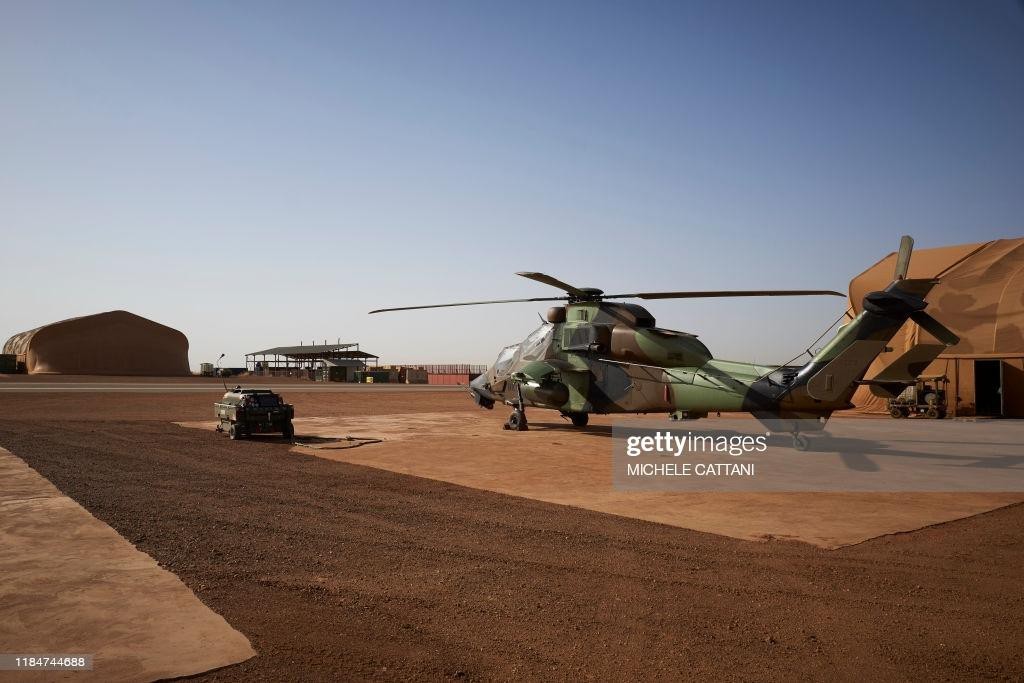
pixel 505 358
pixel 537 346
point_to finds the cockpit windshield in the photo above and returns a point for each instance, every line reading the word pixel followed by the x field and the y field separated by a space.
pixel 505 358
pixel 536 345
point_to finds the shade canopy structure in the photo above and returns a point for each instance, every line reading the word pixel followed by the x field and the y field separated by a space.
pixel 110 343
pixel 293 358
pixel 980 298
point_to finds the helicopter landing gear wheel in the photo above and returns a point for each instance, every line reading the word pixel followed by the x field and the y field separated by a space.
pixel 516 422
pixel 578 419
pixel 896 412
pixel 932 413
pixel 800 442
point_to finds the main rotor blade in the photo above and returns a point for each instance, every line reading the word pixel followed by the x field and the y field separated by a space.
pixel 554 282
pixel 724 293
pixel 472 303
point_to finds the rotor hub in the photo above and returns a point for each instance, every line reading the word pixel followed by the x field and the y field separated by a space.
pixel 590 293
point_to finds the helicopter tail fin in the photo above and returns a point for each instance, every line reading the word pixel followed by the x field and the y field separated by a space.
pixel 835 371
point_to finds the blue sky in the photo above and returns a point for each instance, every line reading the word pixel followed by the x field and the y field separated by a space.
pixel 258 174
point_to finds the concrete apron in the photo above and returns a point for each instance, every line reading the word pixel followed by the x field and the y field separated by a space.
pixel 69 584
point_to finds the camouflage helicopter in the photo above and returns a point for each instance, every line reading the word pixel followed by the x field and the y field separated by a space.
pixel 593 355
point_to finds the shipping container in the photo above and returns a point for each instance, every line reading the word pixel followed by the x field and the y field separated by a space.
pixel 373 376
pixel 332 373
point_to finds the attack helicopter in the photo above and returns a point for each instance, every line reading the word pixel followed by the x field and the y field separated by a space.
pixel 596 355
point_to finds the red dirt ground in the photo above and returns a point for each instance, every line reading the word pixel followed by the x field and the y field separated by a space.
pixel 340 571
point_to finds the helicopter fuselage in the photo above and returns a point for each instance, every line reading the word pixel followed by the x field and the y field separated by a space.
pixel 604 357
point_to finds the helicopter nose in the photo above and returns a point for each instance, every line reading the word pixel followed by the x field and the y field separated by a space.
pixel 481 392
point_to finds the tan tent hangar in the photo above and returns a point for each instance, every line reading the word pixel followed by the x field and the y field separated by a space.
pixel 111 343
pixel 981 299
